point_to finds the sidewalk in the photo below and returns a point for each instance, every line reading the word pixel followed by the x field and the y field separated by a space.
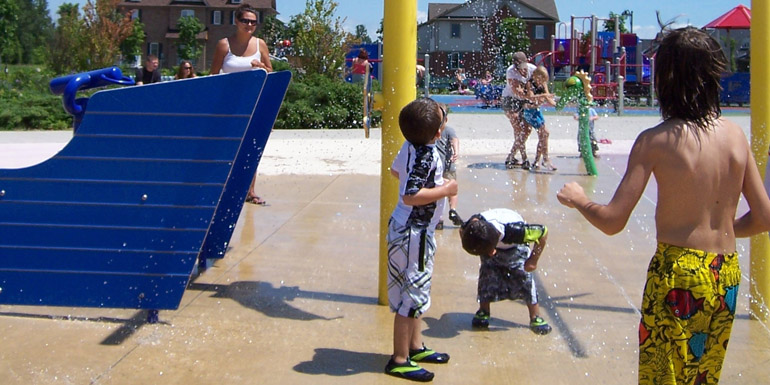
pixel 295 299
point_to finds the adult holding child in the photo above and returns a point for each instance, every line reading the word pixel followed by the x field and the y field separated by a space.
pixel 242 51
pixel 513 102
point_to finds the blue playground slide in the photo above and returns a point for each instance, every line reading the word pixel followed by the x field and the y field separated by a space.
pixel 119 216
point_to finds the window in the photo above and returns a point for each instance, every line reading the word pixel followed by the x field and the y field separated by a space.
pixel 236 1
pixel 188 12
pixel 455 30
pixel 455 60
pixel 232 17
pixel 154 49
pixel 136 14
pixel 539 32
pixel 216 17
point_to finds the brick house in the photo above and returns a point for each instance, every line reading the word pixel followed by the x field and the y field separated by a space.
pixel 160 24
pixel 463 35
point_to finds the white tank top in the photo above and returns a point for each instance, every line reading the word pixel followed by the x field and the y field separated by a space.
pixel 234 63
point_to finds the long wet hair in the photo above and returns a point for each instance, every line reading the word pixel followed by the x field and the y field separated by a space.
pixel 688 68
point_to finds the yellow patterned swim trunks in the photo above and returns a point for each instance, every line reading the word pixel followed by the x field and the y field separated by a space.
pixel 687 315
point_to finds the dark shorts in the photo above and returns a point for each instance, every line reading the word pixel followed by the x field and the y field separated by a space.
pixel 510 104
pixel 503 277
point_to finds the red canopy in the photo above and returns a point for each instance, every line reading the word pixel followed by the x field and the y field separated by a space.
pixel 736 18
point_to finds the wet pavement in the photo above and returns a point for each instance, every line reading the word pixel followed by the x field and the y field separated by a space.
pixel 295 299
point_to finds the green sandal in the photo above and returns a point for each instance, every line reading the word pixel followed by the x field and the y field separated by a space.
pixel 539 326
pixel 428 355
pixel 408 370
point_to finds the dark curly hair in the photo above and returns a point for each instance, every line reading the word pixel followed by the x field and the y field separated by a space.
pixel 688 69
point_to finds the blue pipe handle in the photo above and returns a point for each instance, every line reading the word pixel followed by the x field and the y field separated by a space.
pixel 69 85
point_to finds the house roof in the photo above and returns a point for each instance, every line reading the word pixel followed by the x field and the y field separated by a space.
pixel 736 18
pixel 258 4
pixel 547 7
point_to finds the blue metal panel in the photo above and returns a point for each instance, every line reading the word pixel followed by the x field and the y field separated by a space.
pixel 245 167
pixel 106 192
pixel 136 215
pixel 98 260
pixel 118 217
pixel 134 147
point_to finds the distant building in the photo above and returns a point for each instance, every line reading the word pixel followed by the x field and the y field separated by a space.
pixel 160 24
pixel 464 35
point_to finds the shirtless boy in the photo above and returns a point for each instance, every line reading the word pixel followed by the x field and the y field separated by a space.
pixel 702 164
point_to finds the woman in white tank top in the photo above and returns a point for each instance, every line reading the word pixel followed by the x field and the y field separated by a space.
pixel 242 52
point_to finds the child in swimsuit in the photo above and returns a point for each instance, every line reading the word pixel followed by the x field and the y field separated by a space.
pixel 702 164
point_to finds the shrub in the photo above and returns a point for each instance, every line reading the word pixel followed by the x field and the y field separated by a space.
pixel 27 102
pixel 316 102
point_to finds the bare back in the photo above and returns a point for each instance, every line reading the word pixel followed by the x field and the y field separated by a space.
pixel 700 179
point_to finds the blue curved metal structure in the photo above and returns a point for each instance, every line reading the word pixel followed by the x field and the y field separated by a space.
pixel 118 217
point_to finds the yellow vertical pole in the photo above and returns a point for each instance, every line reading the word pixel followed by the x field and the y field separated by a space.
pixel 399 60
pixel 760 117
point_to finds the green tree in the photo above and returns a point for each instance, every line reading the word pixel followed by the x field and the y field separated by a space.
pixel 273 31
pixel 188 47
pixel 512 37
pixel 609 25
pixel 321 43
pixel 91 41
pixel 35 30
pixel 9 42
pixel 67 53
pixel 132 46
pixel 106 28
pixel 362 34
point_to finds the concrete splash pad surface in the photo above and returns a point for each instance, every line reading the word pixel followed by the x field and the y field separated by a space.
pixel 295 299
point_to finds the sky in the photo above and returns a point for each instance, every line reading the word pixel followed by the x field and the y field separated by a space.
pixel 692 12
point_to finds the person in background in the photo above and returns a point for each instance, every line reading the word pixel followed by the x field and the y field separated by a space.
pixel 149 73
pixel 360 65
pixel 185 71
pixel 242 51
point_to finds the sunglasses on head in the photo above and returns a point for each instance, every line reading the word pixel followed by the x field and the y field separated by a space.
pixel 248 21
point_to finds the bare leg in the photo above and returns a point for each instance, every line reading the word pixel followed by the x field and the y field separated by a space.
pixel 542 148
pixel 534 310
pixel 406 334
pixel 252 196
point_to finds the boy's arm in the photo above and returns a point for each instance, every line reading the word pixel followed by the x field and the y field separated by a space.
pixel 455 143
pixel 531 263
pixel 757 220
pixel 429 195
pixel 612 217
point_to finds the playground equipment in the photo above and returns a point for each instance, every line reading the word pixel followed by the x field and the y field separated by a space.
pixel 578 89
pixel 374 51
pixel 614 61
pixel 119 217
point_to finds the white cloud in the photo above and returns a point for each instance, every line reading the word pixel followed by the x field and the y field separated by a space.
pixel 422 16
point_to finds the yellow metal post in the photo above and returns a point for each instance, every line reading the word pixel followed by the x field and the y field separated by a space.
pixel 399 61
pixel 760 117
